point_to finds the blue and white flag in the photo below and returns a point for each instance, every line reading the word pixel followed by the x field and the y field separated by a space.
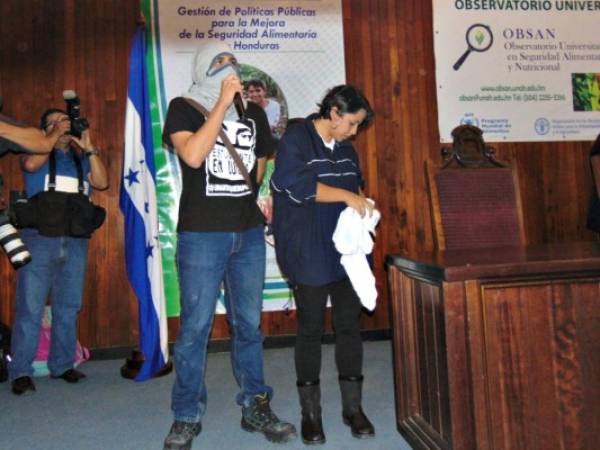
pixel 138 204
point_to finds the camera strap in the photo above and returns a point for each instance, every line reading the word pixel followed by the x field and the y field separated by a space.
pixel 52 171
pixel 234 155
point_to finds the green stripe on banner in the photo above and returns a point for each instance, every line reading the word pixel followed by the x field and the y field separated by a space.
pixel 166 195
pixel 276 296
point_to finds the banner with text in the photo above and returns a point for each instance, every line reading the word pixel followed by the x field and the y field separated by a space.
pixel 521 70
pixel 294 48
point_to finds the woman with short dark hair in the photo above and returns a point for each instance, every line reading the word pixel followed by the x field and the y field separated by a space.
pixel 316 176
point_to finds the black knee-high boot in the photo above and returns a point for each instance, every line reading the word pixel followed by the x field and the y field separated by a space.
pixel 310 404
pixel 352 413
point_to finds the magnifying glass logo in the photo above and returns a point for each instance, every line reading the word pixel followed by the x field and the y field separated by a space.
pixel 479 39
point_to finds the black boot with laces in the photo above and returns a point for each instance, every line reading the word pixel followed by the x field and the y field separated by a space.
pixel 259 417
pixel 181 435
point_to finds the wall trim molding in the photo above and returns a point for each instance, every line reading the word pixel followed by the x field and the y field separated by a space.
pixel 223 344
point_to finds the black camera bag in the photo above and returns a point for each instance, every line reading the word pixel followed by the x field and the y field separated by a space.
pixel 56 213
pixel 85 216
pixel 23 214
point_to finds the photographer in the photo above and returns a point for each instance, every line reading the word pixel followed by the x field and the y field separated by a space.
pixel 58 262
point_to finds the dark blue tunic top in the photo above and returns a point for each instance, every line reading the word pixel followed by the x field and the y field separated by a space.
pixel 303 228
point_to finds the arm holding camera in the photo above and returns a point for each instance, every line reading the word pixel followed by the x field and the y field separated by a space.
pixel 73 132
pixel 57 122
pixel 28 138
pixel 55 130
pixel 80 140
pixel 31 139
pixel 98 176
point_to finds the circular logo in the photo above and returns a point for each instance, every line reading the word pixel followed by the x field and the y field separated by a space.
pixel 479 37
pixel 542 126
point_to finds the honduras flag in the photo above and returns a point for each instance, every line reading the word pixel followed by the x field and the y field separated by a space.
pixel 138 204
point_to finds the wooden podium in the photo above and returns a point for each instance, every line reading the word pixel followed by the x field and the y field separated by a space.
pixel 498 348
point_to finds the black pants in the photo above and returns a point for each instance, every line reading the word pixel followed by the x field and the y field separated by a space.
pixel 311 303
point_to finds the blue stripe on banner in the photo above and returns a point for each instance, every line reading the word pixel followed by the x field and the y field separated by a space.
pixel 138 204
pixel 276 285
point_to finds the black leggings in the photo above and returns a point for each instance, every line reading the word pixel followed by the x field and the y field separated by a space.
pixel 311 303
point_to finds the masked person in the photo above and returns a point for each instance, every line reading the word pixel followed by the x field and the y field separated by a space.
pixel 316 176
pixel 220 239
pixel 58 263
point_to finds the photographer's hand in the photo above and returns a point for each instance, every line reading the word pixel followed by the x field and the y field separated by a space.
pixel 55 130
pixel 58 130
pixel 84 143
pixel 98 176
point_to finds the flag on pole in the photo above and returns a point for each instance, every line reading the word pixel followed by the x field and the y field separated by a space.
pixel 138 204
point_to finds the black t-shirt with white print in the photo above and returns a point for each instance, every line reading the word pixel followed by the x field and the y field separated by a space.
pixel 215 197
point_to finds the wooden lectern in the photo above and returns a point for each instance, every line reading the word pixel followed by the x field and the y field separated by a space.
pixel 496 347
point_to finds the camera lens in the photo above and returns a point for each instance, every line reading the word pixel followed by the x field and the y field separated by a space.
pixel 12 244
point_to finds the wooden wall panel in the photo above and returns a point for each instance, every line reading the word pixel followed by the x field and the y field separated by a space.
pixel 505 363
pixel 537 337
pixel 46 47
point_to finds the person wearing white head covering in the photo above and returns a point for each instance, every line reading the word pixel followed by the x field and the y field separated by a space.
pixel 220 240
pixel 206 86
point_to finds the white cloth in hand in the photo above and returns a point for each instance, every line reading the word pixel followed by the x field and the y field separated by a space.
pixel 352 238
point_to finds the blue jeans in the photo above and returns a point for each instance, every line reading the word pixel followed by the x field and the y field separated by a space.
pixel 57 268
pixel 203 261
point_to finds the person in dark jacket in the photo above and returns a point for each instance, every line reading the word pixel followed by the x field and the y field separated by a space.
pixel 316 176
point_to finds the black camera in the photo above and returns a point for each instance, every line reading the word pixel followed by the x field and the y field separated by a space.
pixel 78 123
pixel 10 240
